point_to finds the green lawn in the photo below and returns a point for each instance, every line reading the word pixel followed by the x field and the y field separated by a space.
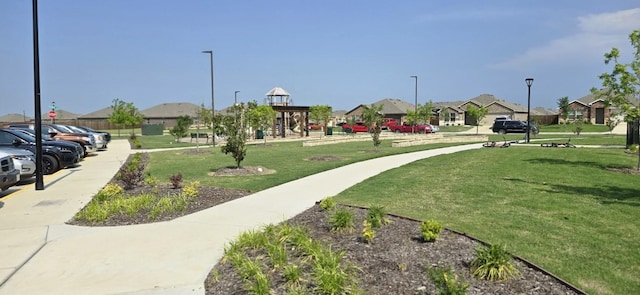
pixel 559 208
pixel 570 127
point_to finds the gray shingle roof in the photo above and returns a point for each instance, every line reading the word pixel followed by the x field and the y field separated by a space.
pixel 15 118
pixel 171 110
pixel 392 106
pixel 99 114
pixel 61 114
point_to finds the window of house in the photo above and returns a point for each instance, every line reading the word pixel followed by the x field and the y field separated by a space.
pixel 452 117
pixel 572 115
pixel 579 114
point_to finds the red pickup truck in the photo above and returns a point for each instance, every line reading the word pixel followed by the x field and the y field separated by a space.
pixel 406 128
pixel 357 127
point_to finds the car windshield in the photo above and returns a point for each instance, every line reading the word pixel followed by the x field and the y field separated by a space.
pixel 63 129
pixel 22 135
pixel 75 129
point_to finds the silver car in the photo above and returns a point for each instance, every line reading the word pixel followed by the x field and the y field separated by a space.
pixel 8 173
pixel 24 161
pixel 99 138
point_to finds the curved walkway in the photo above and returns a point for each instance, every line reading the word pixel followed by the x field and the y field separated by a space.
pixel 42 255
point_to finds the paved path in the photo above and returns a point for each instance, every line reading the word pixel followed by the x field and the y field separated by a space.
pixel 42 255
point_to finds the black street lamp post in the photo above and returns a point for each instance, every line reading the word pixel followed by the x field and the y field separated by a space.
pixel 529 82
pixel 213 109
pixel 415 107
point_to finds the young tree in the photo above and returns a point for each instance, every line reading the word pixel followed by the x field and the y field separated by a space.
pixel 372 117
pixel 477 114
pixel 563 108
pixel 262 117
pixel 425 112
pixel 204 115
pixel 237 136
pixel 321 114
pixel 124 114
pixel 621 87
pixel 182 127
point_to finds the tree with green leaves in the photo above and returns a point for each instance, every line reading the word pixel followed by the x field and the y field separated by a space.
pixel 425 112
pixel 372 116
pixel 261 118
pixel 182 127
pixel 477 114
pixel 233 128
pixel 320 114
pixel 621 87
pixel 563 108
pixel 204 115
pixel 124 114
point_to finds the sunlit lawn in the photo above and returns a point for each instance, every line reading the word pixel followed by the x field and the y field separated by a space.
pixel 559 208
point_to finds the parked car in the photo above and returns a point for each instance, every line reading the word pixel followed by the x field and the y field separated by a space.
pixel 512 126
pixel 355 128
pixel 98 138
pixel 407 128
pixel 434 128
pixel 107 135
pixel 9 175
pixel 387 122
pixel 55 154
pixel 23 160
pixel 58 131
pixel 31 132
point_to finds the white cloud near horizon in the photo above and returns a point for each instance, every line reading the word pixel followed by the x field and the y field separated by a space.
pixel 597 34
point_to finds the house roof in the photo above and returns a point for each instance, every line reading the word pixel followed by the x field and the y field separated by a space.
pixel 61 114
pixel 487 99
pixel 391 106
pixel 277 91
pixel 543 111
pixel 15 118
pixel 171 110
pixel 99 114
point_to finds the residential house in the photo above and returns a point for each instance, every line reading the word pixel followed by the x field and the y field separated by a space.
pixel 391 108
pixel 496 108
pixel 591 108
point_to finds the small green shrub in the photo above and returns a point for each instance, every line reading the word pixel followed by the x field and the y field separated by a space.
pixel 327 203
pixel 110 190
pixel 368 232
pixel 493 263
pixel 341 220
pixel 151 181
pixel 190 191
pixel 446 281
pixel 376 215
pixel 430 230
pixel 259 285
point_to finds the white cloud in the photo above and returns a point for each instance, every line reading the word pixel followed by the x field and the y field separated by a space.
pixel 598 33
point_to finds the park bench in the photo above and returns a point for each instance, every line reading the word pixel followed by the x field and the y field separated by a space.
pixel 199 135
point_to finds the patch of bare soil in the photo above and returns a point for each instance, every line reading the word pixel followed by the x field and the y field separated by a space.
pixel 324 158
pixel 395 262
pixel 242 171
pixel 624 170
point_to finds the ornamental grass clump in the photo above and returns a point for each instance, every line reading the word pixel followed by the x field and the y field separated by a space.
pixel 446 281
pixel 368 232
pixel 376 216
pixel 341 220
pixel 493 263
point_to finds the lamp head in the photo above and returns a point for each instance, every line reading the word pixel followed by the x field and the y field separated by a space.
pixel 207 51
pixel 416 77
pixel 529 81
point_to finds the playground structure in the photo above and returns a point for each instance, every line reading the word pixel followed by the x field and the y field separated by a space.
pixel 289 118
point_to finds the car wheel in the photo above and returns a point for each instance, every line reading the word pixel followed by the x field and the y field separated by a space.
pixel 49 164
pixel 422 131
pixel 502 131
pixel 397 131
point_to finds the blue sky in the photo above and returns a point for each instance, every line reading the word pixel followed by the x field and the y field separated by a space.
pixel 340 53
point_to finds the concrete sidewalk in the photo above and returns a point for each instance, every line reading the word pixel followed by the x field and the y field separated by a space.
pixel 42 255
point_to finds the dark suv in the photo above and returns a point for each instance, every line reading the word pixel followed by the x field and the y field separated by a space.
pixel 55 154
pixel 512 126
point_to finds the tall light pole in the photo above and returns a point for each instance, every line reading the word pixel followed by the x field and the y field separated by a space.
pixel 415 108
pixel 213 109
pixel 36 98
pixel 529 81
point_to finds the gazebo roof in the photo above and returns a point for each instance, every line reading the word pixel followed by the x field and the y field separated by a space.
pixel 277 91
